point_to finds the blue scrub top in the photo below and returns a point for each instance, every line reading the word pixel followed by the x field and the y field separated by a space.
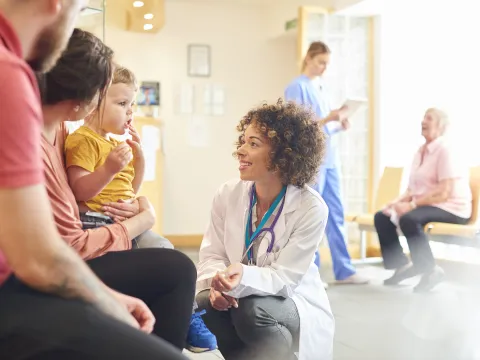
pixel 306 92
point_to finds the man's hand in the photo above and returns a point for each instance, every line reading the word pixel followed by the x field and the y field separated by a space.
pixel 118 159
pixel 121 210
pixel 222 302
pixel 137 308
pixel 229 279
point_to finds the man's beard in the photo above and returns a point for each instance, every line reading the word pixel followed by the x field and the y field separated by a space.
pixel 48 49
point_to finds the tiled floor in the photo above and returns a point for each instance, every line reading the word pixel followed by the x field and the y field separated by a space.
pixel 378 323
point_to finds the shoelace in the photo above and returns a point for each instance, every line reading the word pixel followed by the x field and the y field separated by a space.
pixel 197 322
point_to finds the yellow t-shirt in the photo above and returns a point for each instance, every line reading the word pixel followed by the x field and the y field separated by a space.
pixel 88 150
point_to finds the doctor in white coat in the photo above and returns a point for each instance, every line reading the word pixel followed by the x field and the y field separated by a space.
pixel 257 279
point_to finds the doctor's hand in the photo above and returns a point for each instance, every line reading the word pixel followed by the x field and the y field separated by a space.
pixel 229 279
pixel 221 302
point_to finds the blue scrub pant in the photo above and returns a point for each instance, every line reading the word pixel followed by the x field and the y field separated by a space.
pixel 328 186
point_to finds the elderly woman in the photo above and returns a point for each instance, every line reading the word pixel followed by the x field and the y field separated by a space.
pixel 438 191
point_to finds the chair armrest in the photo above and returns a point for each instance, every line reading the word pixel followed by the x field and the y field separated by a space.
pixel 350 217
pixel 365 219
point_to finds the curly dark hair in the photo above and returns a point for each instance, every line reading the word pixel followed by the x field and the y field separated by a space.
pixel 297 140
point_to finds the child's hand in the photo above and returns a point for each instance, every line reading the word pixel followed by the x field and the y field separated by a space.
pixel 135 137
pixel 135 143
pixel 118 158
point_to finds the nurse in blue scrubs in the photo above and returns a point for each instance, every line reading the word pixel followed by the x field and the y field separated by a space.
pixel 306 90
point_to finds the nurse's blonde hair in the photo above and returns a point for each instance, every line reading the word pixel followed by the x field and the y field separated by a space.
pixel 441 116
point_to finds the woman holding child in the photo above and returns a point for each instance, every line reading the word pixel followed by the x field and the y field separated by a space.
pixel 79 84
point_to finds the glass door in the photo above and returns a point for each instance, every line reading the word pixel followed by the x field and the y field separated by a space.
pixel 348 76
pixel 93 18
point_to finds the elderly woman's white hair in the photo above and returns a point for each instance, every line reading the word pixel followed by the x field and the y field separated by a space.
pixel 442 118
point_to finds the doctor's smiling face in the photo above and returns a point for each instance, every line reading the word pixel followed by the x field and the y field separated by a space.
pixel 253 155
pixel 280 143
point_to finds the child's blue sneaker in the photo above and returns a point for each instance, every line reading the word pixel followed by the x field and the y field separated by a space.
pixel 199 338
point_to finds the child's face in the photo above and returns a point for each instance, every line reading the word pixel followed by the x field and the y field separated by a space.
pixel 118 112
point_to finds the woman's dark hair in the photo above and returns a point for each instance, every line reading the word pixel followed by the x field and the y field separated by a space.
pixel 297 140
pixel 84 69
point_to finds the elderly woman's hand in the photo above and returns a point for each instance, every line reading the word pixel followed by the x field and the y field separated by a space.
pixel 401 208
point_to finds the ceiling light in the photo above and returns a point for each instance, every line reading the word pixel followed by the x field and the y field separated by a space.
pixel 138 4
pixel 147 27
pixel 148 16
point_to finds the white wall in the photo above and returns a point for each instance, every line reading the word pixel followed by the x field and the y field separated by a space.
pixel 429 56
pixel 249 59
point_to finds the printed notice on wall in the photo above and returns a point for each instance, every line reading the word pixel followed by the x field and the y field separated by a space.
pixel 198 132
pixel 151 144
pixel 214 100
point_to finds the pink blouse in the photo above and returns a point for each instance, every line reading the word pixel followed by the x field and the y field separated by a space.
pixel 439 163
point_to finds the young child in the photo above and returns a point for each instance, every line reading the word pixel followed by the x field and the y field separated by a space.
pixel 101 170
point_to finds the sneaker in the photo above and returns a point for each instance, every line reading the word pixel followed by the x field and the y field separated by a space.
pixel 354 279
pixel 199 338
pixel 430 280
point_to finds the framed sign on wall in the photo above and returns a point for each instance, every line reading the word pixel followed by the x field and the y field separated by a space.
pixel 199 60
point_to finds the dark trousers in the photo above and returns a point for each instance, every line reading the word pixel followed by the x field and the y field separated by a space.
pixel 37 326
pixel 263 327
pixel 411 224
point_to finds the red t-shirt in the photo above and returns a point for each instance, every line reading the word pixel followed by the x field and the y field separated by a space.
pixel 20 122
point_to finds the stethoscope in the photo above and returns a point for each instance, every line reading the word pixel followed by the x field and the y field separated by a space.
pixel 251 238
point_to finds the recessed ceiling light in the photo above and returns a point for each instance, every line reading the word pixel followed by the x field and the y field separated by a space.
pixel 147 27
pixel 148 16
pixel 138 4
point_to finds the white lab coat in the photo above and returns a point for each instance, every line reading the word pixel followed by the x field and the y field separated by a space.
pixel 289 271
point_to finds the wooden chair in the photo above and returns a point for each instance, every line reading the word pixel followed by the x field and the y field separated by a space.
pixel 465 235
pixel 388 189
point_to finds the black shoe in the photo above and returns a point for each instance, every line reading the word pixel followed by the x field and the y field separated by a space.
pixel 430 280
pixel 401 275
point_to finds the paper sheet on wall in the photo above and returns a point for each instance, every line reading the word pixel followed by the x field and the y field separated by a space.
pixel 198 132
pixel 151 144
pixel 187 99
pixel 218 100
pixel 207 99
pixel 214 100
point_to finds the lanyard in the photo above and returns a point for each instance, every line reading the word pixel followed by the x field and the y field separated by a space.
pixel 249 237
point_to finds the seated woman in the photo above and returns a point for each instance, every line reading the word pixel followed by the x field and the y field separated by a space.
pixel 257 279
pixel 163 279
pixel 438 191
